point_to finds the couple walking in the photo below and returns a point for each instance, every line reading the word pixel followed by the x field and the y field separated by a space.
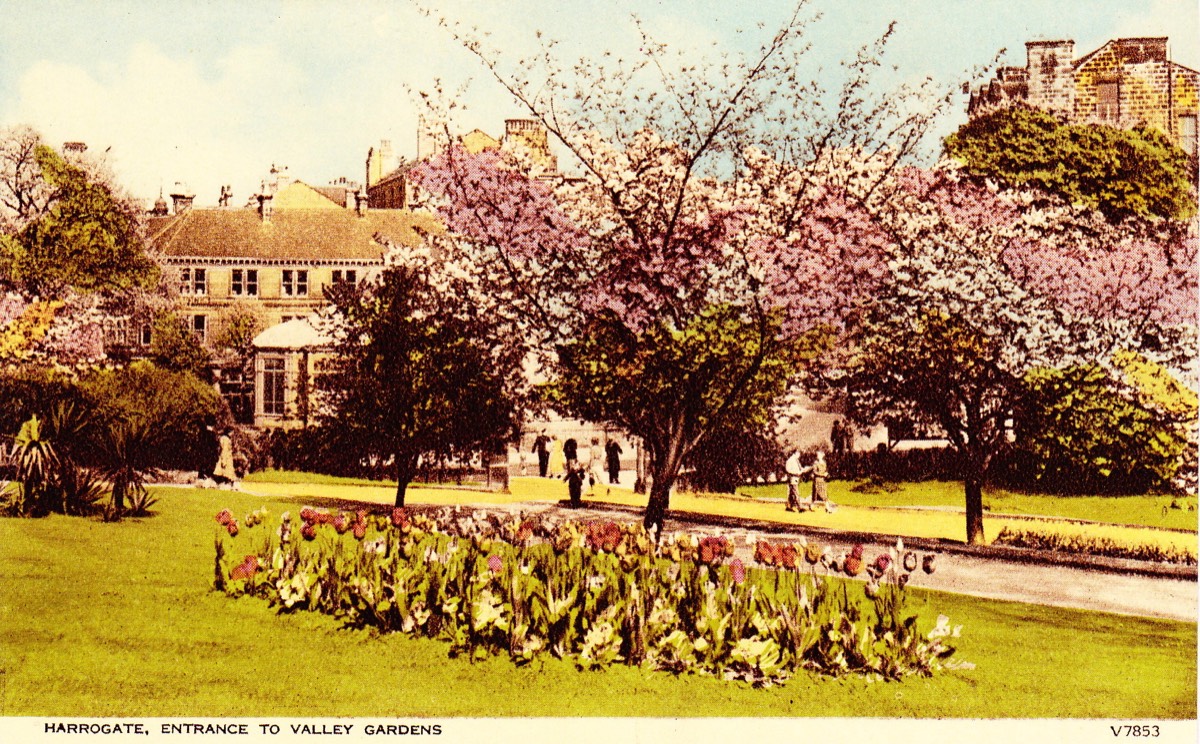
pixel 820 476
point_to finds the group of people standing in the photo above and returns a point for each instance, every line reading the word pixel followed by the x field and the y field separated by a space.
pixel 563 459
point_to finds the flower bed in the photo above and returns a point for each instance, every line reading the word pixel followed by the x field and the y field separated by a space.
pixel 1093 545
pixel 599 593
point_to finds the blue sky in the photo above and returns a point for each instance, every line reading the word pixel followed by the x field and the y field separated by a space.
pixel 211 92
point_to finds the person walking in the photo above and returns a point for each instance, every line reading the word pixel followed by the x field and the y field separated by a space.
pixel 543 452
pixel 224 473
pixel 820 473
pixel 209 451
pixel 795 471
pixel 612 455
pixel 575 472
pixel 557 458
pixel 595 455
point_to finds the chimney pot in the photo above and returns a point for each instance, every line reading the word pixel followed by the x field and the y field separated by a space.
pixel 265 206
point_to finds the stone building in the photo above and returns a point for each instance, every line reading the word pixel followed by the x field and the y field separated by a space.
pixel 388 186
pixel 274 257
pixel 1125 83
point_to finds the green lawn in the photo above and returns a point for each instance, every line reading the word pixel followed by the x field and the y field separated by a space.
pixel 1139 510
pixel 118 619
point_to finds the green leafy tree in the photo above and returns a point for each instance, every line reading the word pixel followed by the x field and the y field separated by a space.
pixel 723 371
pixel 174 347
pixel 71 230
pixel 417 370
pixel 237 325
pixel 1093 429
pixel 1122 172
pixel 174 406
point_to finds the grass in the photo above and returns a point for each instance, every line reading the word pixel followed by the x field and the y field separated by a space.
pixel 1149 511
pixel 100 619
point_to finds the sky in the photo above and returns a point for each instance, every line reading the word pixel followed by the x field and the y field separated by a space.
pixel 212 92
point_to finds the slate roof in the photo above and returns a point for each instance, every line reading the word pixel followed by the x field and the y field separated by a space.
pixel 302 234
pixel 335 194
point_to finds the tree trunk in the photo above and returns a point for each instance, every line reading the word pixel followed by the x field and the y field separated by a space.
pixel 118 496
pixel 974 488
pixel 660 500
pixel 639 468
pixel 406 468
pixel 665 462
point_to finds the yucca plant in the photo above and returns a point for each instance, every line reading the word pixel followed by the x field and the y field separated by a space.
pixel 128 457
pixel 37 461
pixel 75 488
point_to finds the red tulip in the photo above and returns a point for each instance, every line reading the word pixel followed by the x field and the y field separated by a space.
pixel 787 556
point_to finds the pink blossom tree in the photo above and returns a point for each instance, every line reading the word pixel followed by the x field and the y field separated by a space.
pixel 712 243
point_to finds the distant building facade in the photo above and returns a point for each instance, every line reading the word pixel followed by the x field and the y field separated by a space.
pixel 1125 83
pixel 387 182
pixel 277 254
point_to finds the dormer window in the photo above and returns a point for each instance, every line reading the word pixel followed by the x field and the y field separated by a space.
pixel 192 282
pixel 244 282
pixel 295 283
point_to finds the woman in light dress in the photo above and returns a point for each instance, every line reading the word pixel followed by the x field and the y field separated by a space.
pixel 558 461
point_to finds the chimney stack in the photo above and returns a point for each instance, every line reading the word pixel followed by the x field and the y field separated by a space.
pixel 181 198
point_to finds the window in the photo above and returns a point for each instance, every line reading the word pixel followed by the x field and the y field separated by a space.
pixel 1108 102
pixel 272 387
pixel 349 276
pixel 1187 133
pixel 244 282
pixel 192 282
pixel 199 326
pixel 146 334
pixel 295 283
